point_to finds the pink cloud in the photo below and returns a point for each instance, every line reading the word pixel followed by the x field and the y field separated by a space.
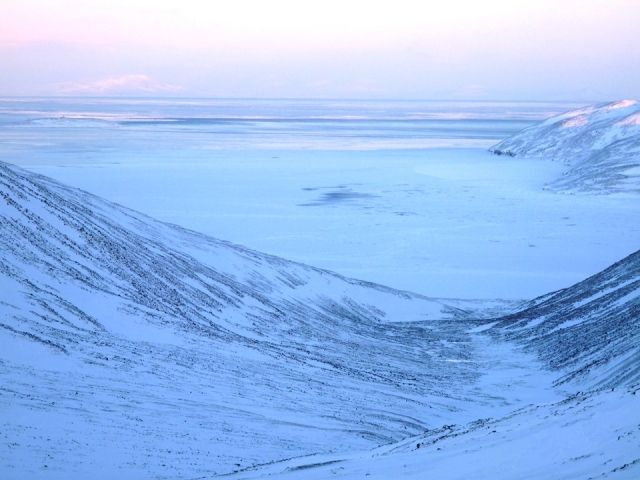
pixel 118 85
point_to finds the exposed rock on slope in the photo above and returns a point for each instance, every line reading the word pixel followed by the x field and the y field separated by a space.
pixel 590 331
pixel 600 144
pixel 133 348
pixel 587 435
pixel 165 347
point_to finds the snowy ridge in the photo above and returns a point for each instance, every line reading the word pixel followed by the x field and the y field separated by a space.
pixel 133 348
pixel 600 144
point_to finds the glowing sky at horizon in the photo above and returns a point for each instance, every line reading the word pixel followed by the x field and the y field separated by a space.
pixel 563 49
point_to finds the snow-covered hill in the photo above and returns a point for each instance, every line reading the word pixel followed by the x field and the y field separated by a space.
pixel 590 335
pixel 132 348
pixel 590 331
pixel 129 343
pixel 599 143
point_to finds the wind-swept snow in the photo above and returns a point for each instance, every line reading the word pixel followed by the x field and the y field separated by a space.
pixel 133 348
pixel 600 144
pixel 587 435
pixel 589 334
pixel 137 348
pixel 590 331
pixel 67 122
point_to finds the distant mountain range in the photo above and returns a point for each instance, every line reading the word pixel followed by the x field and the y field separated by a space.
pixel 600 144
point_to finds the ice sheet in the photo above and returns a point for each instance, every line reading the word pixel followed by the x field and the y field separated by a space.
pixel 319 183
pixel 441 222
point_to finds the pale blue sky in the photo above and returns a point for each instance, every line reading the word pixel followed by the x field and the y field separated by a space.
pixel 518 50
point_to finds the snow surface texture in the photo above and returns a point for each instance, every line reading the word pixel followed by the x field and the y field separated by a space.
pixel 133 348
pixel 600 143
pixel 585 436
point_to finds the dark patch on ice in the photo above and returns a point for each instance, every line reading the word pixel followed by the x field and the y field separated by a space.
pixel 335 196
pixel 313 189
pixel 402 214
pixel 502 152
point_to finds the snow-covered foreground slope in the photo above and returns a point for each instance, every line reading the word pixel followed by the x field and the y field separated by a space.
pixel 587 435
pixel 136 349
pixel 600 143
pixel 132 344
pixel 590 335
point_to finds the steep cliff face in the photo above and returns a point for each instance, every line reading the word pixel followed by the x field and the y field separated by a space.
pixel 600 144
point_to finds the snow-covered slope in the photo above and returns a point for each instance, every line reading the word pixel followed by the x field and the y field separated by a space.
pixel 590 331
pixel 590 335
pixel 129 343
pixel 600 144
pixel 587 435
pixel 136 349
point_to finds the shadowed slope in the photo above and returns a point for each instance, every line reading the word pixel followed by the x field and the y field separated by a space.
pixel 590 331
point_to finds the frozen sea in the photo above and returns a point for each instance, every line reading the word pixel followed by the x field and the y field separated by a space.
pixel 401 193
